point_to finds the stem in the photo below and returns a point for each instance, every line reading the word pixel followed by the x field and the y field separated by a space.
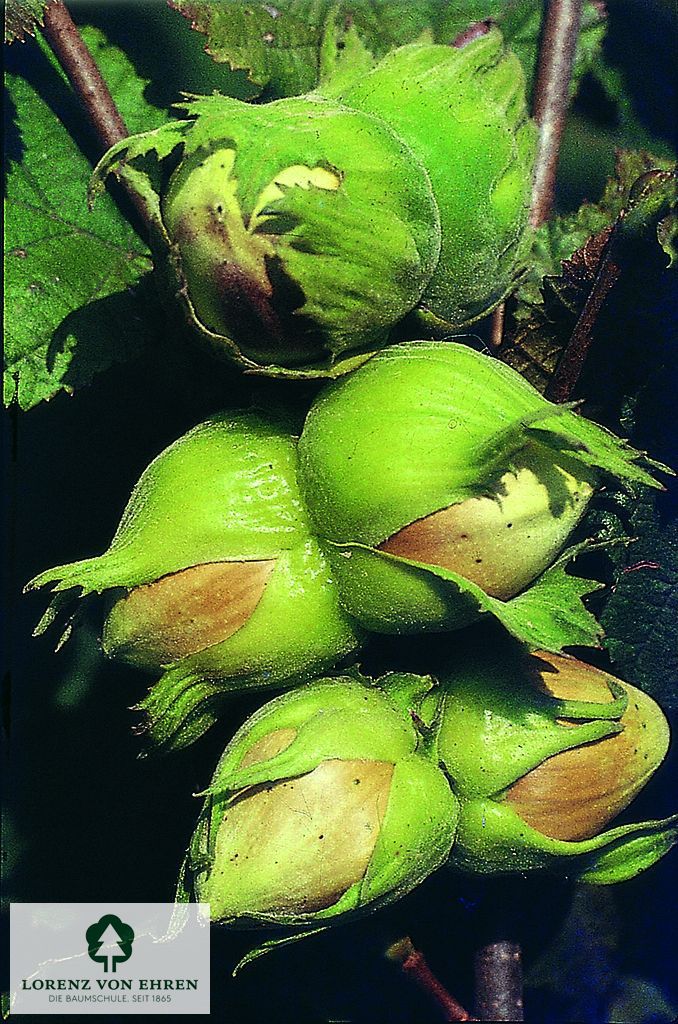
pixel 502 916
pixel 497 326
pixel 413 964
pixel 498 972
pixel 88 84
pixel 84 75
pixel 572 360
pixel 551 97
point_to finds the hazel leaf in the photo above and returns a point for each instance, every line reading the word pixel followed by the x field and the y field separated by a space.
pixel 72 277
pixel 283 45
pixel 287 46
pixel 645 646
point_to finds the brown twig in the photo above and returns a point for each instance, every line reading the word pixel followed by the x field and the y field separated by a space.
pixel 551 97
pixel 572 361
pixel 413 964
pixel 84 75
pixel 497 326
pixel 557 51
pixel 651 199
pixel 88 84
pixel 498 972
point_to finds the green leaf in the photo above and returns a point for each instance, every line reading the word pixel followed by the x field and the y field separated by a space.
pixel 74 280
pixel 279 45
pixel 21 18
pixel 287 45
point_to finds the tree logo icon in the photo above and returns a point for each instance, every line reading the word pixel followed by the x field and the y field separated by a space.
pixel 109 942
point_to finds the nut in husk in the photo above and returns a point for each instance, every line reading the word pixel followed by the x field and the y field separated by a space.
pixel 443 486
pixel 463 113
pixel 577 792
pixel 214 575
pixel 322 805
pixel 544 752
pixel 298 235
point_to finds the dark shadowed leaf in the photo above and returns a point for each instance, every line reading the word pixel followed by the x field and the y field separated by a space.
pixel 641 615
pixel 571 255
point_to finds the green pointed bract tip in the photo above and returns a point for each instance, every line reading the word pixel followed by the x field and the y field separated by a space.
pixel 493 840
pixel 543 753
pixel 463 113
pixel 443 487
pixel 297 233
pixel 217 576
pixel 321 806
pixel 224 491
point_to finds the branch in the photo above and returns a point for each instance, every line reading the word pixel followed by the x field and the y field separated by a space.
pixel 557 51
pixel 84 75
pixel 551 97
pixel 88 84
pixel 652 199
pixel 498 972
pixel 413 964
pixel 572 361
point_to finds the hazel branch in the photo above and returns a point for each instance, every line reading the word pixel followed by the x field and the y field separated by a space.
pixel 498 973
pixel 88 84
pixel 84 75
pixel 551 97
pixel 573 358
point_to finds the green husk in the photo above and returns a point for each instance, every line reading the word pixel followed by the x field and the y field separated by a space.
pixel 463 112
pixel 428 425
pixel 224 492
pixel 284 275
pixel 330 721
